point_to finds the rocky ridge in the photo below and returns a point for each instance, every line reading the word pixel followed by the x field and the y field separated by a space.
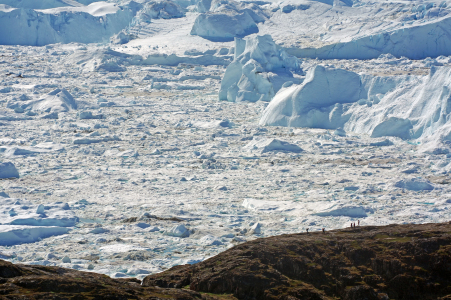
pixel 389 262
pixel 41 282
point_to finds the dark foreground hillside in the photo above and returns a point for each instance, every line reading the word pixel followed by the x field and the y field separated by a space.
pixel 391 262
pixel 39 282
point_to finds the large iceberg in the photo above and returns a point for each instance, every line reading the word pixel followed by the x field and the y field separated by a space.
pixel 408 107
pixel 258 71
pixel 160 9
pixel 416 41
pixel 317 103
pixel 164 10
pixel 8 170
pixel 223 20
pixel 417 107
pixel 224 26
pixel 96 22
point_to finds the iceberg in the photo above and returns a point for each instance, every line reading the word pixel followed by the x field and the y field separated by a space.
pixel 416 41
pixel 408 107
pixel 96 22
pixel 258 71
pixel 224 26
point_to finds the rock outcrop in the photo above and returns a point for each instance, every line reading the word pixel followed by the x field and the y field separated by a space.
pixel 39 282
pixel 391 262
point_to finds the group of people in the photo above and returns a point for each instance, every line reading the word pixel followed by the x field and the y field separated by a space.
pixel 324 230
pixel 352 226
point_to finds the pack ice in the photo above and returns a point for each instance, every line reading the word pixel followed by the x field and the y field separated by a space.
pixel 24 222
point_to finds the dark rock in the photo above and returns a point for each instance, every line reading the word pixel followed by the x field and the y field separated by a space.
pixel 373 263
pixel 39 282
pixel 390 262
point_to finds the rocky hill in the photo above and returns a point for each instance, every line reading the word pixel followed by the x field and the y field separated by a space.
pixel 40 282
pixel 390 262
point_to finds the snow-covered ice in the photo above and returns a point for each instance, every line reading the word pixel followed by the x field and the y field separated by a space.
pixel 96 22
pixel 258 71
pixel 23 222
pixel 408 107
pixel 267 145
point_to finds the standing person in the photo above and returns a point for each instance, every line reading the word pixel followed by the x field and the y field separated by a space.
pixel 307 230
pixel 358 222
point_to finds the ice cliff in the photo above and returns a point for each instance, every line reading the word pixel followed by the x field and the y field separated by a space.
pixel 96 22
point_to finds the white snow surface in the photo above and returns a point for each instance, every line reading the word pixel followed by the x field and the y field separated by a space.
pixel 268 145
pixel 58 100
